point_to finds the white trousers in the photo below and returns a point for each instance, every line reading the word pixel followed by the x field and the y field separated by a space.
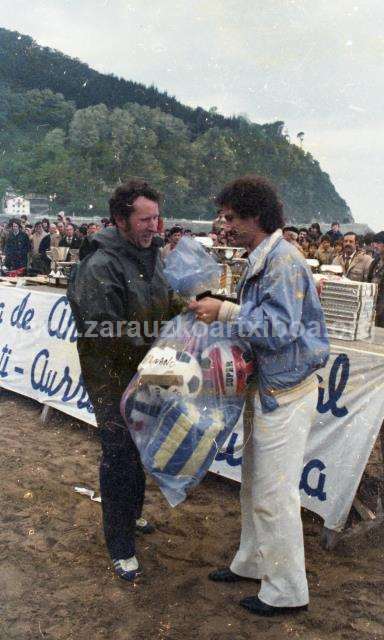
pixel 272 545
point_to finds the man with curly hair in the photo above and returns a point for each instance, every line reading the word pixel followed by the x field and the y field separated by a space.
pixel 279 314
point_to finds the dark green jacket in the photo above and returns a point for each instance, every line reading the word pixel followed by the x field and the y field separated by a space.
pixel 117 285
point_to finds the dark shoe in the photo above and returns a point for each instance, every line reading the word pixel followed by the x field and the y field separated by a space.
pixel 260 608
pixel 142 526
pixel 127 569
pixel 226 575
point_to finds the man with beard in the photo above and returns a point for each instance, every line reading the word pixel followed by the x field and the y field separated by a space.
pixel 355 263
pixel 376 274
pixel 120 283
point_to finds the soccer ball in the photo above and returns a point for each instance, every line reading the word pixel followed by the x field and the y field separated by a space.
pixel 226 368
pixel 138 409
pixel 168 373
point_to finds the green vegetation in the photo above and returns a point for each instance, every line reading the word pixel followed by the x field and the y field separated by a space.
pixel 72 133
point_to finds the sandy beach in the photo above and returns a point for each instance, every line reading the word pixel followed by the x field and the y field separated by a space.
pixel 56 580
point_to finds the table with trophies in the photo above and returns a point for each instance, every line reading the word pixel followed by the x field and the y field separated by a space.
pixel 62 260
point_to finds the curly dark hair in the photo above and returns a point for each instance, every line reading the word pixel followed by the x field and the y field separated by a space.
pixel 14 221
pixel 253 197
pixel 123 199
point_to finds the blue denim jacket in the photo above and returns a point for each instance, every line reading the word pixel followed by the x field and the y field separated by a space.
pixel 281 317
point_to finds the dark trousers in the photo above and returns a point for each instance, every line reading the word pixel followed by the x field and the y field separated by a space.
pixel 122 488
pixel 122 478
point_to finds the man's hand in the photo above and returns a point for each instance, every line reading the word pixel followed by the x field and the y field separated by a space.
pixel 206 309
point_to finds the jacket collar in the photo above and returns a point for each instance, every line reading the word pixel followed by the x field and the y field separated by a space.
pixel 256 259
pixel 352 257
pixel 111 241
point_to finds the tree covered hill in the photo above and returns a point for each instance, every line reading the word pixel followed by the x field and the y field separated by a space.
pixel 72 133
pixel 27 65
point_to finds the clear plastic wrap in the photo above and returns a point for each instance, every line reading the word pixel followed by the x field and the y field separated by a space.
pixel 188 393
pixel 190 270
pixel 184 402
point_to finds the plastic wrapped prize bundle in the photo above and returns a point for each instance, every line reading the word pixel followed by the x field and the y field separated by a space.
pixel 187 395
pixel 190 270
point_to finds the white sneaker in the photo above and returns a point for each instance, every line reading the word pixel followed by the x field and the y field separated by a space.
pixel 127 569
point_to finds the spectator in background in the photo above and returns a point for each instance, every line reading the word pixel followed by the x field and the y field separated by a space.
pixel 222 238
pixel 45 224
pixel 334 233
pixel 218 223
pixel 305 248
pixel 291 235
pixel 368 244
pixel 303 235
pixel 4 231
pixel 61 228
pixel 211 235
pixel 325 253
pixel 355 263
pixel 376 274
pixel 81 232
pixel 37 237
pixel 376 244
pixel 55 235
pixel 175 234
pixel 23 220
pixel 338 248
pixel 85 248
pixel 16 248
pixel 40 244
pixel 314 232
pixel 70 240
pixel 313 249
pixel 359 242
pixel 28 229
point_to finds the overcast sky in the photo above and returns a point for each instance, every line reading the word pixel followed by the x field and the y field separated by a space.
pixel 316 64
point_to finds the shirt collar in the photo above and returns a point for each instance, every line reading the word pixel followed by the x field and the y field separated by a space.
pixel 257 257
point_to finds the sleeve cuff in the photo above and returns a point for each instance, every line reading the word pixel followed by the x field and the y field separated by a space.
pixel 228 311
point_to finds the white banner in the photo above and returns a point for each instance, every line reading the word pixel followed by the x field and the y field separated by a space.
pixel 38 359
pixel 350 411
pixel 38 355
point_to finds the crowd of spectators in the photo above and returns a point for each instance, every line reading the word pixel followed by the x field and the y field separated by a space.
pixel 361 258
pixel 24 246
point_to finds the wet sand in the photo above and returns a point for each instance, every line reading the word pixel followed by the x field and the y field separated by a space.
pixel 56 580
